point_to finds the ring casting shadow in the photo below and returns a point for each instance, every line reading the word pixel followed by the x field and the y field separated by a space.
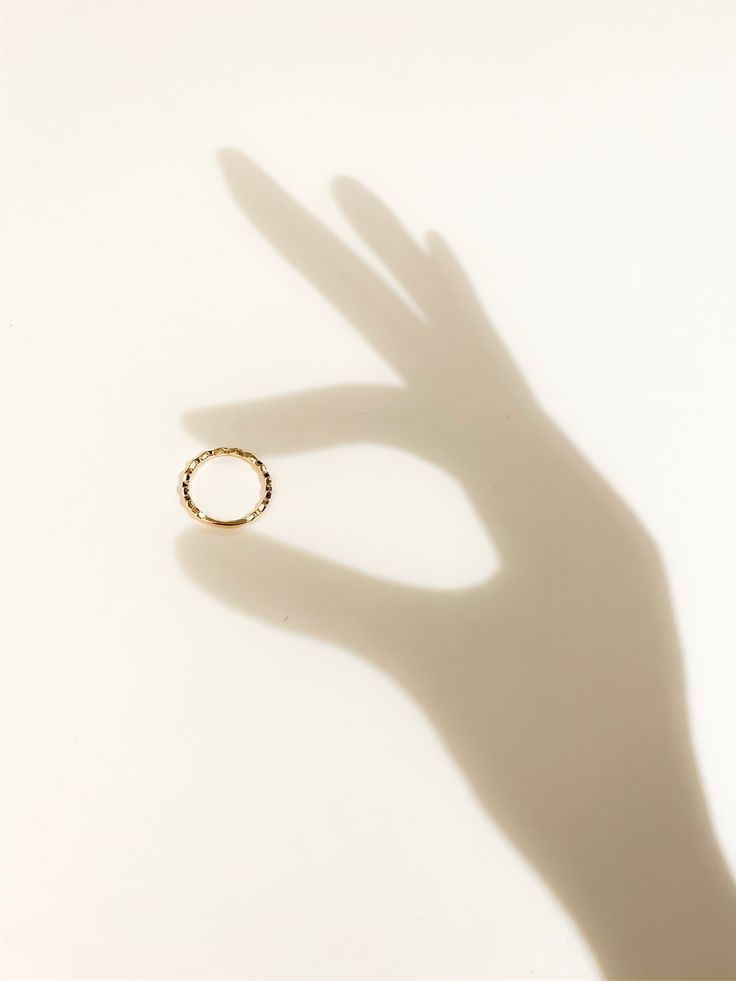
pixel 557 684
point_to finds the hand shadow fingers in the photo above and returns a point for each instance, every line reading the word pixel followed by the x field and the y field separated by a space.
pixel 334 269
pixel 291 588
pixel 305 420
pixel 434 278
pixel 464 311
pixel 382 231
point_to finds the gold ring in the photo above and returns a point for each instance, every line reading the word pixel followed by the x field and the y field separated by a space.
pixel 258 466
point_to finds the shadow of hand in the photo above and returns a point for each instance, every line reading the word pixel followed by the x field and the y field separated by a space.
pixel 556 684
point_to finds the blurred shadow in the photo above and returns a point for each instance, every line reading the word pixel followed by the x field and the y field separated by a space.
pixel 557 684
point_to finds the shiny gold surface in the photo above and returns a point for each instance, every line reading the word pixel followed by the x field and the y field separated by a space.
pixel 258 466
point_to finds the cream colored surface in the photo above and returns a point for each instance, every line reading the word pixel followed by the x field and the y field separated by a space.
pixel 201 779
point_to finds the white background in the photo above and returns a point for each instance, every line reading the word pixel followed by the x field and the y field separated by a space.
pixel 192 792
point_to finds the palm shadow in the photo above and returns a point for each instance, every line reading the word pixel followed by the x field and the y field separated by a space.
pixel 557 685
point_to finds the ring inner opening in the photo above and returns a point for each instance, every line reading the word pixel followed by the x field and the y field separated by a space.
pixel 225 488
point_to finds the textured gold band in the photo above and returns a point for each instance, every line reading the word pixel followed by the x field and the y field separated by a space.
pixel 258 466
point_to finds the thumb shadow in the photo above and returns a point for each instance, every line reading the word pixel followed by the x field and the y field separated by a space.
pixel 557 685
